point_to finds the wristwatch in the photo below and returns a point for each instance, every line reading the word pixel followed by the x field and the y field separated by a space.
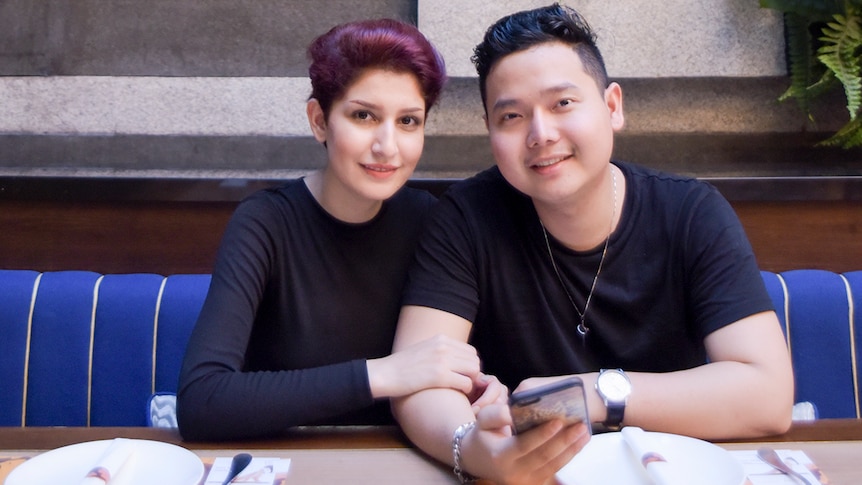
pixel 614 386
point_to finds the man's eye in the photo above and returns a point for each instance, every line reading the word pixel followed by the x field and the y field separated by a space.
pixel 509 117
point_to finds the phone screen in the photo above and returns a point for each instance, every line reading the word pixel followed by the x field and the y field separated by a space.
pixel 563 399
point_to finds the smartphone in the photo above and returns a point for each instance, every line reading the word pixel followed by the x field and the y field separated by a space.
pixel 563 399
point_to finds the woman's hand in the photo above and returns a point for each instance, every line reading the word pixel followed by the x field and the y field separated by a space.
pixel 491 451
pixel 439 361
pixel 487 390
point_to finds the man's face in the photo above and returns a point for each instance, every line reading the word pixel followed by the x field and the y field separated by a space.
pixel 551 126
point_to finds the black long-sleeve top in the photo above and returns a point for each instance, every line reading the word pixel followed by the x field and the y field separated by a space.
pixel 298 301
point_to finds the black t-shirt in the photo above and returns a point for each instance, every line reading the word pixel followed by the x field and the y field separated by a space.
pixel 678 267
pixel 298 301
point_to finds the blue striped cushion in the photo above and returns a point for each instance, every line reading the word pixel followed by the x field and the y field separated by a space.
pixel 775 287
pixel 854 280
pixel 123 348
pixel 16 291
pixel 181 303
pixel 60 349
pixel 820 342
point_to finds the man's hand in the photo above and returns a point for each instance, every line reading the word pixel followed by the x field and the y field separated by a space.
pixel 491 451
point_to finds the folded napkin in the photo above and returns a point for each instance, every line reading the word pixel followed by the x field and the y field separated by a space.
pixel 115 459
pixel 658 469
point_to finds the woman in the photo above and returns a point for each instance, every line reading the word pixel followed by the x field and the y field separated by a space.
pixel 305 294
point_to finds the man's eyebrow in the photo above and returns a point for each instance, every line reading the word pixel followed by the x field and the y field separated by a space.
pixel 504 103
pixel 559 88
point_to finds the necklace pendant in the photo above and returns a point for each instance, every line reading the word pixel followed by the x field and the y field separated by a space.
pixel 582 329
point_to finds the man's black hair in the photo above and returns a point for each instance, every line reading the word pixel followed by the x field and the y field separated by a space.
pixel 525 29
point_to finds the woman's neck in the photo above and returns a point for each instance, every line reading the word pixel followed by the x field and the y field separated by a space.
pixel 339 201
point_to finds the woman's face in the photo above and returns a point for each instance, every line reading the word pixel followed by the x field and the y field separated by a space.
pixel 374 137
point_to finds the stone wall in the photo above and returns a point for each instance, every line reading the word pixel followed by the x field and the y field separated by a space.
pixel 215 89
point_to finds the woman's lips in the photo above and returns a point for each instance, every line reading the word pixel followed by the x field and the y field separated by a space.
pixel 379 170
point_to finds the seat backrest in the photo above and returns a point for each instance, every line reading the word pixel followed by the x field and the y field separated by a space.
pixel 83 349
pixel 816 311
pixel 16 297
pixel 854 282
pixel 87 349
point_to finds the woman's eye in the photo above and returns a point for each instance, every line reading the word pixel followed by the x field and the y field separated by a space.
pixel 362 115
pixel 565 102
pixel 410 120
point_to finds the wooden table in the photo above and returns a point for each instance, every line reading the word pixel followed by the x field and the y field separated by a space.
pixel 382 455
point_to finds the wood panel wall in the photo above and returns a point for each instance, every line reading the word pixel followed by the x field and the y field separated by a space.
pixel 169 237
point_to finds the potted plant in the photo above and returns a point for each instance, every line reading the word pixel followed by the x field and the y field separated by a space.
pixel 824 47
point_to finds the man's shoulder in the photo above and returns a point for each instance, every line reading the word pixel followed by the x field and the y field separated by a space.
pixel 652 182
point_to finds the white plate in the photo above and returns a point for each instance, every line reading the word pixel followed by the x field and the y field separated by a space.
pixel 155 463
pixel 606 459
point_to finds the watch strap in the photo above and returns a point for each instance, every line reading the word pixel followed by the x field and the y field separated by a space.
pixel 616 411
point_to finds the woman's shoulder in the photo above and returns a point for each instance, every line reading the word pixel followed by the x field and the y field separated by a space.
pixel 413 197
pixel 293 191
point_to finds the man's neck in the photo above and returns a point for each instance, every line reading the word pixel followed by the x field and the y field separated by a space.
pixel 583 222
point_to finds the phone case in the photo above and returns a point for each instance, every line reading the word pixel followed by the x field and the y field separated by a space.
pixel 563 399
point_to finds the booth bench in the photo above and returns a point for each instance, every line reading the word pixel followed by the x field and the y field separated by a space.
pixel 79 348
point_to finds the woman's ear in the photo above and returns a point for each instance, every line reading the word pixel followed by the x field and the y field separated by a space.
pixel 316 120
pixel 614 101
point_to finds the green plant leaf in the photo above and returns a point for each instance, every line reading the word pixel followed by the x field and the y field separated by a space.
pixel 849 136
pixel 801 61
pixel 840 52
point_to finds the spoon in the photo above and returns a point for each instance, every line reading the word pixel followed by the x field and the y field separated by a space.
pixel 769 456
pixel 238 464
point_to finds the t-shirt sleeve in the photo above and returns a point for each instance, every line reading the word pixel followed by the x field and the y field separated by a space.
pixel 217 398
pixel 724 280
pixel 443 272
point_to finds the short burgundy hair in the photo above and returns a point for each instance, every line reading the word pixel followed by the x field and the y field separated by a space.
pixel 339 57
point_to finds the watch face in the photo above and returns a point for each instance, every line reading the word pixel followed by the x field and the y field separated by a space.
pixel 615 386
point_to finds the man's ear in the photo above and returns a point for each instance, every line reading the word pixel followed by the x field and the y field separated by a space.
pixel 614 101
pixel 316 120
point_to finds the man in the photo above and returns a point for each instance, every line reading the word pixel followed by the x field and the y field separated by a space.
pixel 560 262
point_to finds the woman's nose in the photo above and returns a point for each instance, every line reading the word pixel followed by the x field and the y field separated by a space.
pixel 384 144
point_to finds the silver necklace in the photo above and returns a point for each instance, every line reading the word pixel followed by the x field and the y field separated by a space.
pixel 582 326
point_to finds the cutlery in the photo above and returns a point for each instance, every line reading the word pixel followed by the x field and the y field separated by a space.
pixel 769 456
pixel 238 464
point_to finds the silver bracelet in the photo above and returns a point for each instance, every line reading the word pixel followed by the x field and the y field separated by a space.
pixel 460 432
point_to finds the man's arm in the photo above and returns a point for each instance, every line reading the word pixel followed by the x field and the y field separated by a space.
pixel 746 390
pixel 430 417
